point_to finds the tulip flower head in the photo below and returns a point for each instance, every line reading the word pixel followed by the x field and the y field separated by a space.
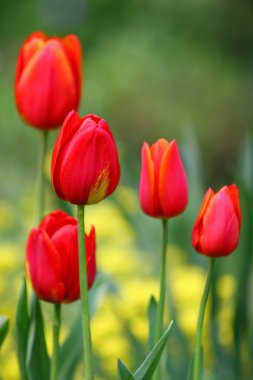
pixel 48 79
pixel 52 258
pixel 163 189
pixel 217 227
pixel 85 166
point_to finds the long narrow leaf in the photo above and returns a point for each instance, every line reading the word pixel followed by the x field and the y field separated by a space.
pixel 123 372
pixel 37 359
pixel 4 327
pixel 22 323
pixel 148 367
pixel 152 313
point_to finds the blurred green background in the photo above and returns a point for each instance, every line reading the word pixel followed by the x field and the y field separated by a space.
pixel 152 68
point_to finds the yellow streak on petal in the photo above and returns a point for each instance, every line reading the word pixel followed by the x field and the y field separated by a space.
pixel 99 189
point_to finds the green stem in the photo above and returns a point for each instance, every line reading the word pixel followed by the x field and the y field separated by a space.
pixel 41 176
pixel 159 328
pixel 56 333
pixel 88 362
pixel 160 311
pixel 197 356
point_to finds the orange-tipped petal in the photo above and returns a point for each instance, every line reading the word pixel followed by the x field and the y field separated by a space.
pixel 173 188
pixel 42 87
pixel 73 50
pixel 217 228
pixel 147 181
pixel 48 79
pixel 30 47
pixel 234 195
pixel 198 225
pixel 220 226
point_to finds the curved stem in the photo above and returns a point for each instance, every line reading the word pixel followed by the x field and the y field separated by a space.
pixel 197 355
pixel 88 363
pixel 160 310
pixel 41 177
pixel 56 333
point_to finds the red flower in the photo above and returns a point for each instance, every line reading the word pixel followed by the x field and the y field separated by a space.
pixel 52 258
pixel 163 190
pixel 48 79
pixel 85 166
pixel 217 227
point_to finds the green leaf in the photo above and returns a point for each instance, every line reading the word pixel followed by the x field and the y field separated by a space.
pixel 4 327
pixel 148 367
pixel 123 372
pixel 152 315
pixel 71 351
pixel 22 323
pixel 37 359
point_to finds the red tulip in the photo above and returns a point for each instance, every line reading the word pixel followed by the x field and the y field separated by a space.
pixel 48 79
pixel 85 166
pixel 163 190
pixel 52 258
pixel 217 227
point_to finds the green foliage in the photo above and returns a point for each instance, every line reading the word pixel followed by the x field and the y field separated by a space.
pixel 22 329
pixel 149 365
pixel 152 315
pixel 123 372
pixel 4 327
pixel 37 359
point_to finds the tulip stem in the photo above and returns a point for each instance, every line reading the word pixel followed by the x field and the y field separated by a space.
pixel 197 367
pixel 88 362
pixel 41 176
pixel 161 303
pixel 56 333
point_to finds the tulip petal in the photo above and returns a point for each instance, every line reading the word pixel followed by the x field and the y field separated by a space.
pixel 29 48
pixel 198 225
pixel 73 52
pixel 65 240
pixel 55 220
pixel 90 241
pixel 234 195
pixel 43 267
pixel 173 188
pixel 68 130
pixel 157 151
pixel 42 87
pixel 147 181
pixel 90 169
pixel 220 226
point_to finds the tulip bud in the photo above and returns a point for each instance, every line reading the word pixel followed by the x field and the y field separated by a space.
pixel 85 166
pixel 217 227
pixel 48 79
pixel 52 263
pixel 163 190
